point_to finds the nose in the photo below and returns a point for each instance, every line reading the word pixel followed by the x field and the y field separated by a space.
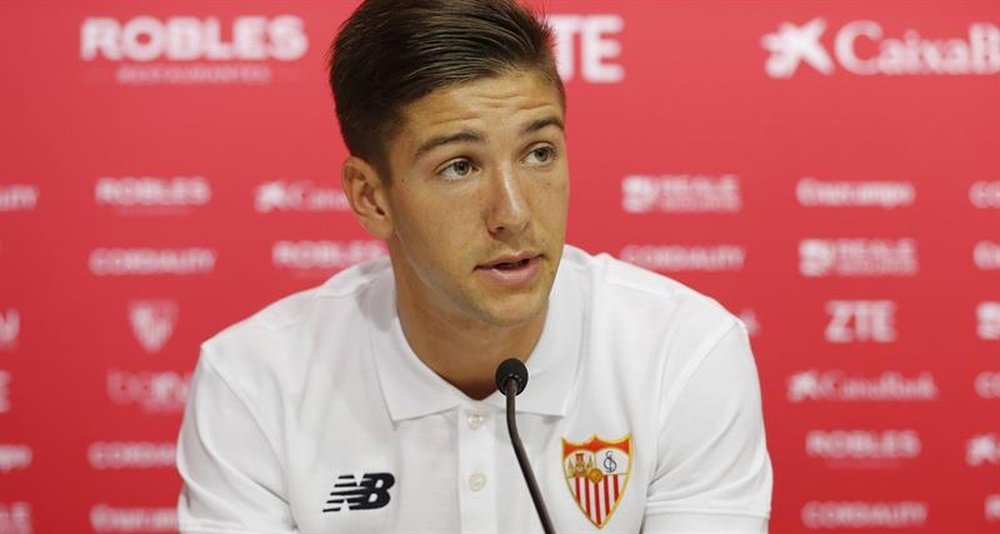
pixel 509 212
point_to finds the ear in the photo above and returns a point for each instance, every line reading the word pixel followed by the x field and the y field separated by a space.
pixel 366 193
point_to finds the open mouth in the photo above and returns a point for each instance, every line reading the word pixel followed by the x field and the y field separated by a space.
pixel 516 270
pixel 510 265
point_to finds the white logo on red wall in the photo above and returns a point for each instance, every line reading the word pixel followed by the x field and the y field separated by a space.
pixel 861 321
pixel 588 44
pixel 151 261
pixel 864 514
pixel 149 195
pixel 991 508
pixel 320 258
pixel 862 47
pixel 988 321
pixel 792 44
pixel 18 197
pixel 858 257
pixel 131 455
pixel 673 258
pixel 10 328
pixel 193 50
pixel 152 322
pixel 987 384
pixel 838 386
pixel 749 318
pixel 301 195
pixel 106 518
pixel 154 392
pixel 983 449
pixel 985 195
pixel 14 456
pixel 986 255
pixel 15 518
pixel 4 391
pixel 811 192
pixel 863 448
pixel 681 194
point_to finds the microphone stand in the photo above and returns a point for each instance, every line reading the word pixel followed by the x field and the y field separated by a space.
pixel 512 385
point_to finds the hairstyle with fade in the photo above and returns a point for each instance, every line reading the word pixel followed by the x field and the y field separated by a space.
pixel 390 53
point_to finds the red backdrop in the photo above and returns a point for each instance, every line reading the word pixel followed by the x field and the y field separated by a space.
pixel 828 171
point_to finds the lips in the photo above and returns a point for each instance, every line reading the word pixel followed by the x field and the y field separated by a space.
pixel 512 271
pixel 510 262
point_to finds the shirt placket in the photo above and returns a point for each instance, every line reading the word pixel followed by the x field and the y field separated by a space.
pixel 477 481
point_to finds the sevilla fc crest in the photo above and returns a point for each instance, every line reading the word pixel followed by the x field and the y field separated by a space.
pixel 152 322
pixel 597 472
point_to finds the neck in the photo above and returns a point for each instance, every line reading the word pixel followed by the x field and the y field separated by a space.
pixel 463 351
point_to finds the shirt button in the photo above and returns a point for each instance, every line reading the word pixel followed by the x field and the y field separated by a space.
pixel 475 420
pixel 477 481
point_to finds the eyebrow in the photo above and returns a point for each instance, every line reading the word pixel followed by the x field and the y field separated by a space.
pixel 465 136
pixel 474 136
pixel 543 123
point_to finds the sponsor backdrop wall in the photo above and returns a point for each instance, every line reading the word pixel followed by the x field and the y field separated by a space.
pixel 829 172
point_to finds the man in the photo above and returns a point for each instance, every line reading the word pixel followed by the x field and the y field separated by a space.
pixel 368 404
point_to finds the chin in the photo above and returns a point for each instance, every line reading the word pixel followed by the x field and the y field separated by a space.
pixel 516 311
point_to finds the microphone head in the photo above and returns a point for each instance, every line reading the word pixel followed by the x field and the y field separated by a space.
pixel 508 369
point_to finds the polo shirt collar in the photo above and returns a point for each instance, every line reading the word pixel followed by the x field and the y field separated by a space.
pixel 411 389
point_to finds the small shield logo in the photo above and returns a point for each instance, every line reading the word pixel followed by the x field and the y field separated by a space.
pixel 597 472
pixel 152 322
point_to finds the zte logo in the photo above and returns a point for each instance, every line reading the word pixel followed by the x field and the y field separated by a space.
pixel 371 492
pixel 853 321
pixel 978 52
pixel 588 40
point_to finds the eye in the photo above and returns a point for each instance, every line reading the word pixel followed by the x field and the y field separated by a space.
pixel 456 170
pixel 540 155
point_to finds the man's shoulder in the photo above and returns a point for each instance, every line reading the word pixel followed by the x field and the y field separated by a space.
pixel 624 293
pixel 283 327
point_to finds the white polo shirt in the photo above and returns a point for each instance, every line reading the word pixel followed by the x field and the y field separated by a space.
pixel 642 412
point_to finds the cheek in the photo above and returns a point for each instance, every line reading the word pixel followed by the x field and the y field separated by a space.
pixel 552 201
pixel 443 229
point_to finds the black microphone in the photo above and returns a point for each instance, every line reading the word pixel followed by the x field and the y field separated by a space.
pixel 512 377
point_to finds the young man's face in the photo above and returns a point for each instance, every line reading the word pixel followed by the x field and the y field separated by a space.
pixel 478 199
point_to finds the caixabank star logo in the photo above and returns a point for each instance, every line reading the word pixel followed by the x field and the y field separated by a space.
pixel 597 472
pixel 977 52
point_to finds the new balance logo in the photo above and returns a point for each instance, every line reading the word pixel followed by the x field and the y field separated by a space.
pixel 371 492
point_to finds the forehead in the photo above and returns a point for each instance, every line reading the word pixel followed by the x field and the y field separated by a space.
pixel 491 103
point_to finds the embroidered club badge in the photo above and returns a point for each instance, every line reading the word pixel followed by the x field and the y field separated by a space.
pixel 597 472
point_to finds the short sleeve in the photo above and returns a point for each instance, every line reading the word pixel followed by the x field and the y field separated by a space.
pixel 713 472
pixel 232 476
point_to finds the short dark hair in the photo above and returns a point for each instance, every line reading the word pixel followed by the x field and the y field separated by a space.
pixel 390 53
